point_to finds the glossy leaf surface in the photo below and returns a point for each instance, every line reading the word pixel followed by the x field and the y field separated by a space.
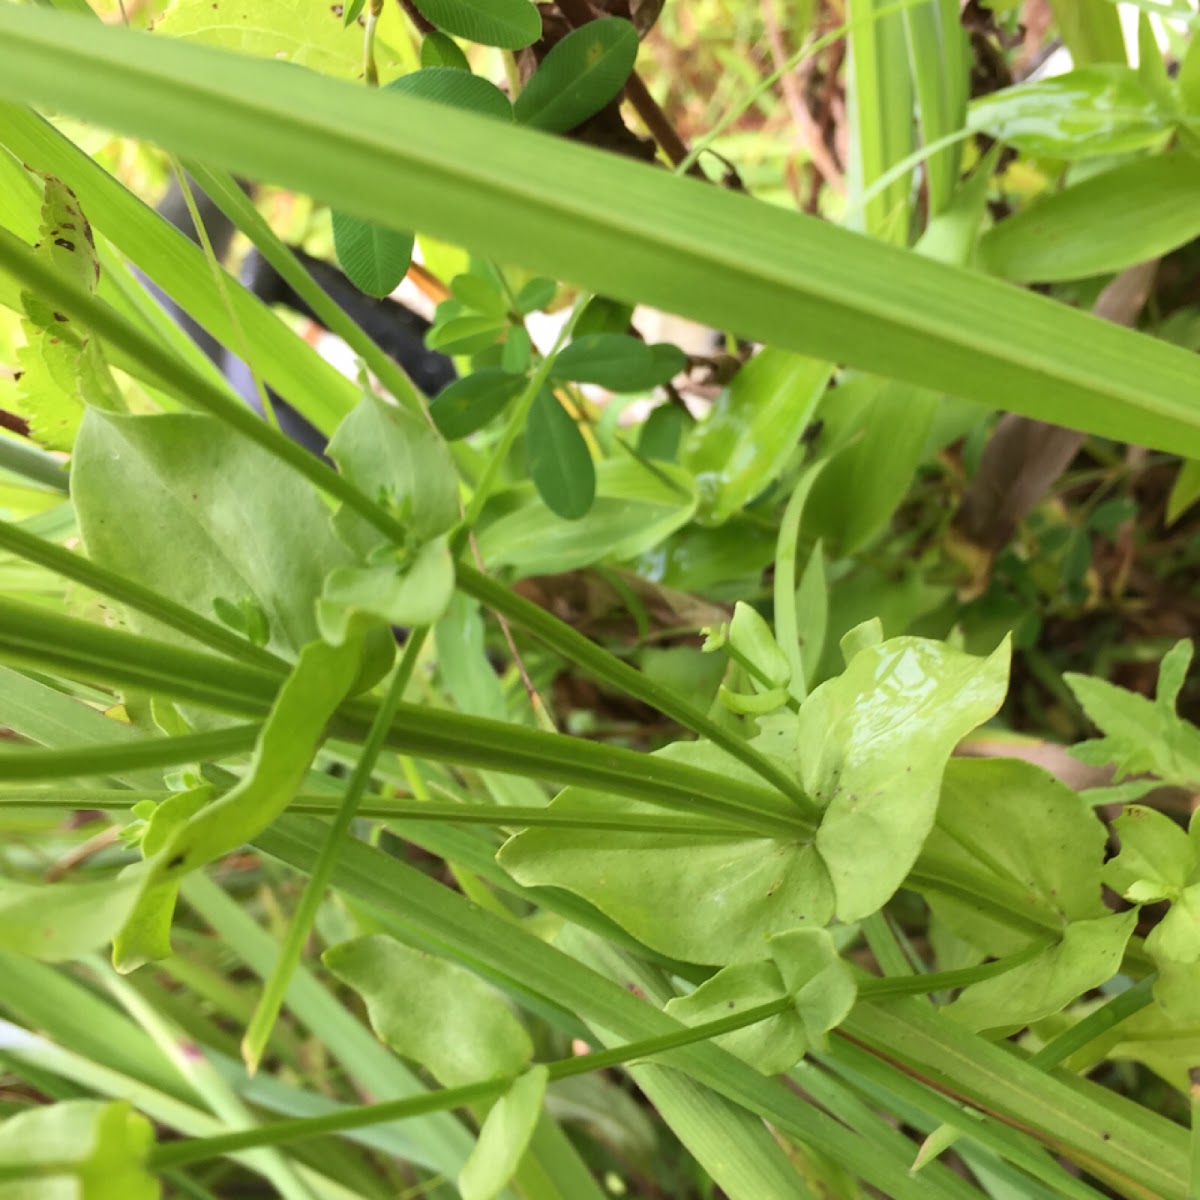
pixel 1086 113
pixel 871 746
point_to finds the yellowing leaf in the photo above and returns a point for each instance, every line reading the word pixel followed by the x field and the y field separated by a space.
pixel 309 33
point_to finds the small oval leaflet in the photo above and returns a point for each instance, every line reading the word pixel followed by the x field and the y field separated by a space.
pixel 559 462
pixel 618 362
pixel 509 24
pixel 375 257
pixel 586 70
pixel 470 403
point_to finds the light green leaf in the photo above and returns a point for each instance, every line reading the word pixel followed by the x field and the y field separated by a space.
pixel 771 1046
pixel 504 1138
pixel 510 24
pixel 1177 999
pixel 861 637
pixel 537 294
pixel 1031 832
pixel 560 463
pixel 752 430
pixel 812 612
pixel 705 899
pixel 877 430
pixel 871 746
pixel 438 50
pixel 1088 955
pixel 394 456
pixel 579 76
pixel 1110 221
pixel 863 484
pixel 189 536
pixel 285 748
pixel 479 294
pixel 374 259
pixel 1090 29
pixel 63 921
pixel 1185 491
pixel 409 591
pixel 618 362
pixel 516 354
pixel 464 335
pixel 634 509
pixel 818 980
pixel 432 1011
pixel 310 33
pixel 753 643
pixel 1151 67
pixel 468 404
pixel 1176 938
pixel 1089 112
pixel 47 393
pixel 78 1150
pixel 1156 861
pixel 145 935
pixel 55 360
pixel 1141 735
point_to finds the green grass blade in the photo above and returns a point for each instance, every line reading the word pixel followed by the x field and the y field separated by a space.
pixel 675 243
pixel 178 266
pixel 879 111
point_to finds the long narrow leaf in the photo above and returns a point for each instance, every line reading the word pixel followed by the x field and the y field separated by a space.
pixel 676 243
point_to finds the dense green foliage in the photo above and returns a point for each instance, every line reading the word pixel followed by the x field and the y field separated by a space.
pixel 637 768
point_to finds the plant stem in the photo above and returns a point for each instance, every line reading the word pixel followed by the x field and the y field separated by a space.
pixel 150 603
pixel 271 1000
pixel 177 1154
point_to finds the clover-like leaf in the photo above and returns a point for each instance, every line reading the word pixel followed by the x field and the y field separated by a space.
pixel 580 75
